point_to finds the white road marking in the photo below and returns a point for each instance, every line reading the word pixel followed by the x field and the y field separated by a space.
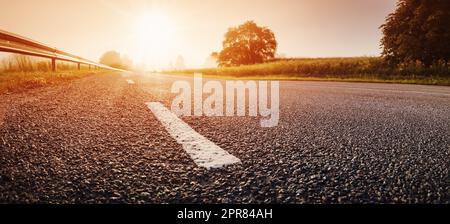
pixel 131 82
pixel 204 152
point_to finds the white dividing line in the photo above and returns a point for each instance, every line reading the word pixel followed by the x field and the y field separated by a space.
pixel 204 152
pixel 131 82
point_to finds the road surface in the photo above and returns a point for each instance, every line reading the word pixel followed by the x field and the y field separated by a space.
pixel 95 140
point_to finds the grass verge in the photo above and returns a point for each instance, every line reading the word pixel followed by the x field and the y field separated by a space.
pixel 441 81
pixel 360 69
pixel 12 82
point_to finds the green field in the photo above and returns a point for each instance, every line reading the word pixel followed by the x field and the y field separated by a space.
pixel 361 69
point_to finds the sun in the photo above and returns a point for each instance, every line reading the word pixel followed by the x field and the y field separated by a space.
pixel 154 26
pixel 154 33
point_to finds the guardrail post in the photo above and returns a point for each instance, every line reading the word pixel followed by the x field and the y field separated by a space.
pixel 79 66
pixel 53 64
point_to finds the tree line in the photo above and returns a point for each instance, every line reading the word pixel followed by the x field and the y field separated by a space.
pixel 417 33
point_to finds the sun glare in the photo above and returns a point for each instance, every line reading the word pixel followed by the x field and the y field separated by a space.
pixel 154 35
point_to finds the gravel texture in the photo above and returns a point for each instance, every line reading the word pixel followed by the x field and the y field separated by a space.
pixel 95 141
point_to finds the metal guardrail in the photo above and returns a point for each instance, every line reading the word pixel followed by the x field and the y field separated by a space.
pixel 14 43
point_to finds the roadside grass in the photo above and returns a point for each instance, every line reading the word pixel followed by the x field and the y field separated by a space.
pixel 358 69
pixel 11 82
pixel 442 81
pixel 20 72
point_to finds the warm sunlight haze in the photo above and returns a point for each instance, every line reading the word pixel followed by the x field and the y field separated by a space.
pixel 154 33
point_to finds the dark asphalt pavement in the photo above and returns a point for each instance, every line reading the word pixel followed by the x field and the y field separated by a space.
pixel 95 141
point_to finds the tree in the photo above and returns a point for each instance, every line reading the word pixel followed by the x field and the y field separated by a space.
pixel 419 30
pixel 211 60
pixel 126 62
pixel 113 59
pixel 247 44
pixel 179 63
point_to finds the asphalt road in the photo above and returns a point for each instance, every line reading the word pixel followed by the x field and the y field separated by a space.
pixel 95 140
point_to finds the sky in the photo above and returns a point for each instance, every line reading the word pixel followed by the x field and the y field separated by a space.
pixel 153 33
